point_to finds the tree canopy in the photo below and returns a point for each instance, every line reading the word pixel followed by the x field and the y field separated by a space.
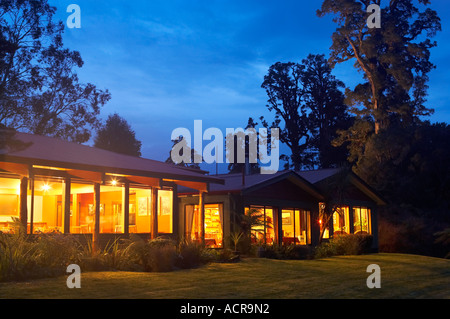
pixel 308 100
pixel 117 136
pixel 39 89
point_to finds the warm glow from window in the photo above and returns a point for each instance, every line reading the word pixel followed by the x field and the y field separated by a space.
pixel 46 187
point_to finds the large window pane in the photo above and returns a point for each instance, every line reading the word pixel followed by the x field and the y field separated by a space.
pixel 295 226
pixel 263 229
pixel 48 212
pixel 140 210
pixel 341 220
pixel 165 211
pixel 9 202
pixel 82 213
pixel 111 211
pixel 361 220
pixel 213 224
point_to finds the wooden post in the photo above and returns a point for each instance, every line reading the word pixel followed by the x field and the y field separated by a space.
pixel 351 227
pixel 154 213
pixel 23 201
pixel 175 212
pixel 32 205
pixel 66 199
pixel 201 211
pixel 96 234
pixel 126 208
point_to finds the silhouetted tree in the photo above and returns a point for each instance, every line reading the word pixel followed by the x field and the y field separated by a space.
pixel 39 89
pixel 307 99
pixel 394 61
pixel 247 167
pixel 117 136
pixel 182 146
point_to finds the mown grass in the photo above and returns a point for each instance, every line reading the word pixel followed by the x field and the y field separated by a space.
pixel 402 276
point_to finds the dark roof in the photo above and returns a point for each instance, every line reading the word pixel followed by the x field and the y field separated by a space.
pixel 312 181
pixel 49 151
pixel 246 183
pixel 315 176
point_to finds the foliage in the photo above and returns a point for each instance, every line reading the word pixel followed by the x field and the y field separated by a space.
pixel 353 244
pixel 39 89
pixel 45 255
pixel 117 136
pixel 286 252
pixel 189 159
pixel 241 142
pixel 306 97
pixel 395 63
pixel 235 238
pixel 394 59
pixel 444 238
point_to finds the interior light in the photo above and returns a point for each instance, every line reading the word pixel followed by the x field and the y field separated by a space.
pixel 113 182
pixel 46 187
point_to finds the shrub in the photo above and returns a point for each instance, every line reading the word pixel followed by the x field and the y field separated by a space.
pixel 191 254
pixel 23 257
pixel 353 244
pixel 286 252
pixel 155 255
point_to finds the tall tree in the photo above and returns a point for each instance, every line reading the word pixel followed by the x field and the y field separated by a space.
pixel 180 145
pixel 307 98
pixel 243 142
pixel 117 136
pixel 39 89
pixel 284 91
pixel 327 111
pixel 394 60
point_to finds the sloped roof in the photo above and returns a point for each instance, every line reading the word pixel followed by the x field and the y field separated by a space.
pixel 312 180
pixel 246 183
pixel 49 151
pixel 318 177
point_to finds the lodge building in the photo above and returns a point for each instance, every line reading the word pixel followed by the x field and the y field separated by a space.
pixel 52 185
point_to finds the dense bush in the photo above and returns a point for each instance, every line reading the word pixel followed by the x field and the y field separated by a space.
pixel 283 251
pixel 27 257
pixel 353 244
pixel 45 255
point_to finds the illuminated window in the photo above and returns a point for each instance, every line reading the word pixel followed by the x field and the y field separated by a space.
pixel 140 210
pixel 9 203
pixel 263 228
pixel 48 208
pixel 341 220
pixel 213 224
pixel 295 226
pixel 361 220
pixel 111 210
pixel 82 213
pixel 165 211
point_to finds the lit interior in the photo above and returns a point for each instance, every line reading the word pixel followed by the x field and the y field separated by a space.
pixel 341 222
pixel 48 208
pixel 361 220
pixel 263 233
pixel 295 226
pixel 213 224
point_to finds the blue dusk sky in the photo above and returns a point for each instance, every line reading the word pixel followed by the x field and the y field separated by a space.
pixel 168 63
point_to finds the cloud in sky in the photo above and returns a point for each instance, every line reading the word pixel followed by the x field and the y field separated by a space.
pixel 169 62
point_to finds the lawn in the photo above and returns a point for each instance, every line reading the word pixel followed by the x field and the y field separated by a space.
pixel 402 276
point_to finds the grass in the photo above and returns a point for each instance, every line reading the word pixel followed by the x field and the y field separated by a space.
pixel 402 276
